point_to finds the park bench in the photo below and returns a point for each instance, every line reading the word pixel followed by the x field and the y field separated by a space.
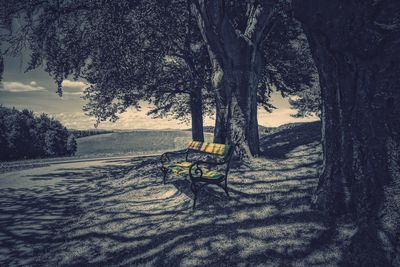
pixel 204 163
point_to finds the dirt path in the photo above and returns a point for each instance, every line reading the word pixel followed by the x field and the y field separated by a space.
pixel 37 204
pixel 107 215
pixel 49 173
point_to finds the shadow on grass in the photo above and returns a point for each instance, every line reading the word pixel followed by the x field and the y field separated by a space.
pixel 113 215
pixel 277 145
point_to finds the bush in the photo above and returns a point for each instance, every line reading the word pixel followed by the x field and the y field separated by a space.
pixel 23 136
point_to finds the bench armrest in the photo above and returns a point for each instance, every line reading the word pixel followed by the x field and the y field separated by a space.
pixel 196 172
pixel 165 157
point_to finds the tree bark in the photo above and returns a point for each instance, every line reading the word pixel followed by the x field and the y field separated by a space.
pixel 355 47
pixel 196 109
pixel 237 103
pixel 236 65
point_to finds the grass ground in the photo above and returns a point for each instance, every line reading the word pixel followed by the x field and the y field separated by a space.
pixel 120 214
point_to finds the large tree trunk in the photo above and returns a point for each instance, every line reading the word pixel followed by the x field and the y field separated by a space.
pixel 236 103
pixel 236 64
pixel 356 49
pixel 236 116
pixel 196 109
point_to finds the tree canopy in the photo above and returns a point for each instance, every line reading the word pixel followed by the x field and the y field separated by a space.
pixel 134 51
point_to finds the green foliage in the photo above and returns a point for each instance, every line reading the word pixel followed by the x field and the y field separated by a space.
pixel 165 63
pixel 307 102
pixel 23 136
pixel 120 47
pixel 290 68
pixel 130 51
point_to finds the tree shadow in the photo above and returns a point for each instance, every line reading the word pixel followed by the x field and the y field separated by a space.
pixel 124 215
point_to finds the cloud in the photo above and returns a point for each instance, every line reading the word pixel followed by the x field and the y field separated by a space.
pixel 73 87
pixel 22 87
pixel 131 119
pixel 72 93
pixel 74 84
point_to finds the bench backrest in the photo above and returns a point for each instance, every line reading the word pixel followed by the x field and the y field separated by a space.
pixel 210 148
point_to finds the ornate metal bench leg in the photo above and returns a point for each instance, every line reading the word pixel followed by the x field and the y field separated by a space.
pixel 194 190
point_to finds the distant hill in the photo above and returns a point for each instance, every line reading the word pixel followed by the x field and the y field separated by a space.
pixel 277 142
pixel 157 141
pixel 84 133
pixel 261 129
pixel 135 142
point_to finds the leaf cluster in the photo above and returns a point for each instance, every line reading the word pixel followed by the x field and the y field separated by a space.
pixel 24 136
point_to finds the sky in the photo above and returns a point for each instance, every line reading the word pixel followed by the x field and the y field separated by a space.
pixel 36 91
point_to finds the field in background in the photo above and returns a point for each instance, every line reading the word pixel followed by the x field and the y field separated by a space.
pixel 135 142
pixel 150 142
pixel 142 142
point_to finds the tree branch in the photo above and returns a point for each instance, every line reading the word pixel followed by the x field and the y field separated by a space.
pixel 261 17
